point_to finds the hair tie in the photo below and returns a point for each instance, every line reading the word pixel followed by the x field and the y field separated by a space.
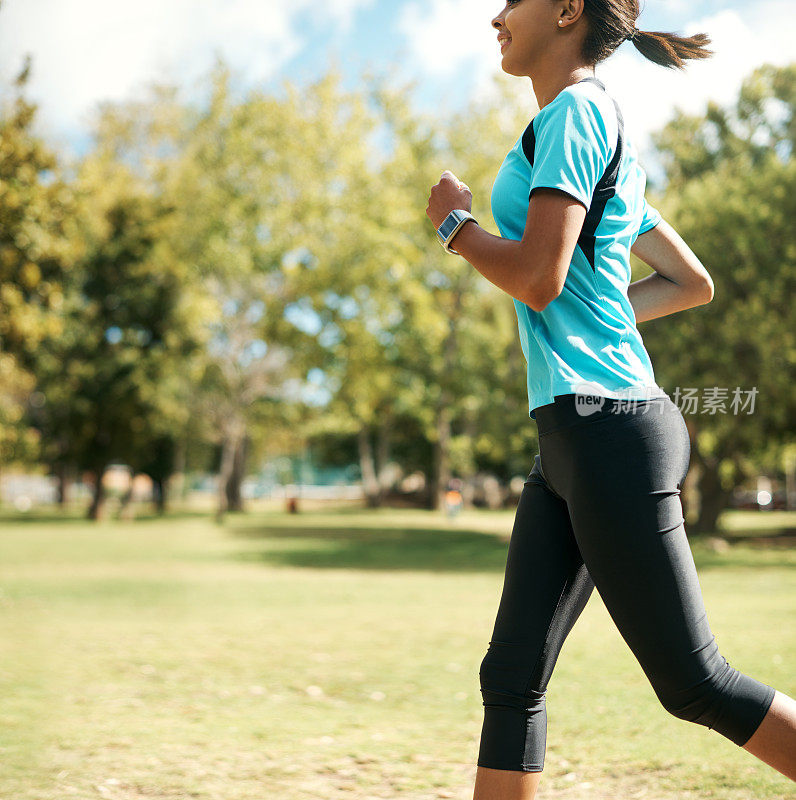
pixel 632 36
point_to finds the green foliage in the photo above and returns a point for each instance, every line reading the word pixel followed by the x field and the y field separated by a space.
pixel 759 124
pixel 429 340
pixel 733 201
pixel 105 379
pixel 32 247
pixel 207 265
pixel 732 182
pixel 37 249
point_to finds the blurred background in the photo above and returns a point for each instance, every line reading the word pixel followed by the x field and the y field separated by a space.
pixel 221 301
pixel 217 278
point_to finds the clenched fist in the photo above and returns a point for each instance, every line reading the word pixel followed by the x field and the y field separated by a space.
pixel 448 194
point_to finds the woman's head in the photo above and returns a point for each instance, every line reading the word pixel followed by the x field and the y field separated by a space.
pixel 536 29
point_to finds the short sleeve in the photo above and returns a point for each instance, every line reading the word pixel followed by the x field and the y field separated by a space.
pixel 572 147
pixel 650 218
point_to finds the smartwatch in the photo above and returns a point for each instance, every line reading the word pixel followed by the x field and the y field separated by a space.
pixel 450 227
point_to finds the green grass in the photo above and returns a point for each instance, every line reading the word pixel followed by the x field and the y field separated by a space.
pixel 177 659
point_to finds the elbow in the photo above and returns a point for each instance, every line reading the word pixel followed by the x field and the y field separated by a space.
pixel 706 291
pixel 704 285
pixel 539 301
pixel 539 296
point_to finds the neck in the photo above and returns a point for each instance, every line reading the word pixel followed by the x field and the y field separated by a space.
pixel 550 78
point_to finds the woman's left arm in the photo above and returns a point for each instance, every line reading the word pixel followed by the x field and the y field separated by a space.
pixel 533 269
pixel 680 280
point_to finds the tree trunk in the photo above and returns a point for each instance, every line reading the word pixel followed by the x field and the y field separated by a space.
pixel 383 454
pixel 370 484
pixel 228 448
pixel 176 485
pixel 468 488
pixel 233 485
pixel 713 497
pixel 159 496
pixel 97 508
pixel 441 459
pixel 63 474
pixel 440 473
pixel 790 482
pixel 126 509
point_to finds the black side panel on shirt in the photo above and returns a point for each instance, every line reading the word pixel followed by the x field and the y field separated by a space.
pixel 605 188
pixel 529 142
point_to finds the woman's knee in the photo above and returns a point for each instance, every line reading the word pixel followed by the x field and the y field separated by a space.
pixel 506 678
pixel 699 703
pixel 723 699
pixel 514 731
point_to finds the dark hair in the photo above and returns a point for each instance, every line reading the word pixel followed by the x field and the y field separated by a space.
pixel 613 21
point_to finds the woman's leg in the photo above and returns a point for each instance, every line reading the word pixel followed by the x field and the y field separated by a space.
pixel 503 784
pixel 621 476
pixel 545 588
pixel 775 740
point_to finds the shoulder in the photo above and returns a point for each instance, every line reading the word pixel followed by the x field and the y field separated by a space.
pixel 579 109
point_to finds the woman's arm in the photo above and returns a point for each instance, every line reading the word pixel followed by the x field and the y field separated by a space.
pixel 679 282
pixel 535 268
pixel 532 270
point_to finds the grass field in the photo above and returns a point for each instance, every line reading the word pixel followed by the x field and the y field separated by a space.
pixel 335 655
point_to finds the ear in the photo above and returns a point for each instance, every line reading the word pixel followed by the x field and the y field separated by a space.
pixel 572 11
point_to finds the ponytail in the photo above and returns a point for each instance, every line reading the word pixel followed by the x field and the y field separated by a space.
pixel 611 22
pixel 669 49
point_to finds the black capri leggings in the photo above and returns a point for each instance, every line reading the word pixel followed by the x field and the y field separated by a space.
pixel 601 507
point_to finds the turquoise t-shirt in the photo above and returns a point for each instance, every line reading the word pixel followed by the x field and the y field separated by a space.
pixel 586 340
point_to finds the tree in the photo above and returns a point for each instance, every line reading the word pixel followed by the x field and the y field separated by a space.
pixel 401 329
pixel 105 378
pixel 37 249
pixel 235 188
pixel 732 196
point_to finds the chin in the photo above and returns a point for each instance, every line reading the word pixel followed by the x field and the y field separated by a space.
pixel 504 66
pixel 510 67
pixel 509 70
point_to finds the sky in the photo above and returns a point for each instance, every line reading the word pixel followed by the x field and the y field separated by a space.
pixel 90 51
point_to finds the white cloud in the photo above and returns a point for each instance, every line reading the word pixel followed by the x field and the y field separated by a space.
pixel 446 35
pixel 648 93
pixel 450 39
pixel 85 51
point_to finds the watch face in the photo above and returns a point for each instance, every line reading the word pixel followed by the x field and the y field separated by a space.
pixel 447 226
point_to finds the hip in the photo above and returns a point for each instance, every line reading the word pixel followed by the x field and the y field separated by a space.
pixel 604 443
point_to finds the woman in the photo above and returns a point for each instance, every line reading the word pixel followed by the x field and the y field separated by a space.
pixel 601 506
